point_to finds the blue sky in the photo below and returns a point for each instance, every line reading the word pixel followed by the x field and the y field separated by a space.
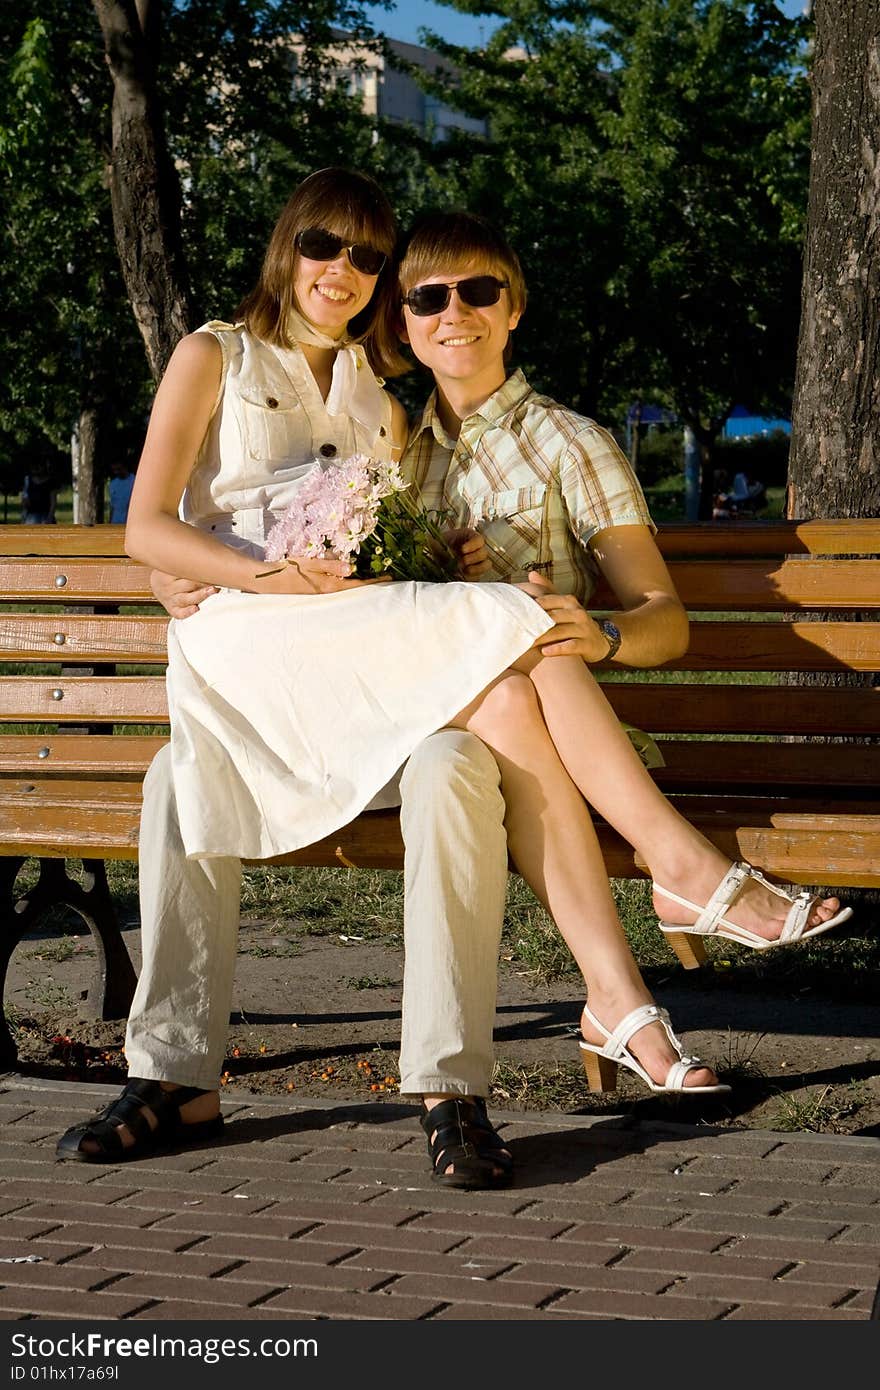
pixel 408 16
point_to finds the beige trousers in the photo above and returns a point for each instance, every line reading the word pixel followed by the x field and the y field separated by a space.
pixel 455 880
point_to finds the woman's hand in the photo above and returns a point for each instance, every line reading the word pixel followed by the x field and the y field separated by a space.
pixel 470 547
pixel 308 577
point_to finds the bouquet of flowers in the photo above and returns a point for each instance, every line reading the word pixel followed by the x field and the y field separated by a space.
pixel 364 511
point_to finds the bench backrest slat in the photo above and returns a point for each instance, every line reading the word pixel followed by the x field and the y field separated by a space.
pixel 79 699
pixel 698 766
pixel 741 709
pixel 74 581
pixel 72 637
pixel 671 708
pixel 80 753
pixel 834 536
pixel 737 539
pixel 776 646
pixel 780 646
pixel 769 586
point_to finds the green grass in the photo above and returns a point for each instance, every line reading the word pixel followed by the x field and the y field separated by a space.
pixel 293 904
pixel 666 501
pixel 821 1111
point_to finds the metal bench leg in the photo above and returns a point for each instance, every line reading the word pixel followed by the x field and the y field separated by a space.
pixel 113 982
pixel 9 939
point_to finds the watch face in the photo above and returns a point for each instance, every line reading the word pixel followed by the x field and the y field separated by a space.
pixel 612 632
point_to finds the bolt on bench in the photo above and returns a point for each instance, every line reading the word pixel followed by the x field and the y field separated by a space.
pixel 749 763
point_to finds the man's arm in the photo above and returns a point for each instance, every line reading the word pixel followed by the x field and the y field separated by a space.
pixel 179 597
pixel 653 624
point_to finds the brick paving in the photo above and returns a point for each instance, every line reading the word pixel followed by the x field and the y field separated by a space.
pixel 327 1211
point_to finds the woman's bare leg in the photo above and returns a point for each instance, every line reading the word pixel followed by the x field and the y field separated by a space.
pixel 554 846
pixel 608 772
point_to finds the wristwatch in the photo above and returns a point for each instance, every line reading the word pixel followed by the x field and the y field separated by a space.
pixel 612 632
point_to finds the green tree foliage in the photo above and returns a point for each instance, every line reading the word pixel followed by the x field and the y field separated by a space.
pixel 248 116
pixel 244 123
pixel 649 160
pixel 69 343
pixel 711 149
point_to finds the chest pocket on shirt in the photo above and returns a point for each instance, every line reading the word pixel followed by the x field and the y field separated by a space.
pixel 275 425
pixel 512 524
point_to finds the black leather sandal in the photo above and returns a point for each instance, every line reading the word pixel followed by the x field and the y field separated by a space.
pixel 465 1140
pixel 128 1109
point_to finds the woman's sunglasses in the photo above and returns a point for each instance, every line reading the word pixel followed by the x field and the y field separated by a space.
pixel 317 244
pixel 479 291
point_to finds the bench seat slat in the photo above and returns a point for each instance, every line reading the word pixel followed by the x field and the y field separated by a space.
pixel 803 846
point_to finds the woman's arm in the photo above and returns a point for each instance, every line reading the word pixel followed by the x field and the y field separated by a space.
pixel 653 624
pixel 154 534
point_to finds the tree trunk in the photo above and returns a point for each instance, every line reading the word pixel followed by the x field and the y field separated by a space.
pixel 144 187
pixel 88 499
pixel 834 464
pixel 834 468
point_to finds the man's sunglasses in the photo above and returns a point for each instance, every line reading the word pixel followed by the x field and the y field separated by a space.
pixel 317 244
pixel 479 291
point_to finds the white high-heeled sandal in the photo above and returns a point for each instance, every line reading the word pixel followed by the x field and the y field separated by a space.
pixel 686 941
pixel 601 1063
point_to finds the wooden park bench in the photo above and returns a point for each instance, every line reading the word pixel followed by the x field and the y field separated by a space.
pixel 754 765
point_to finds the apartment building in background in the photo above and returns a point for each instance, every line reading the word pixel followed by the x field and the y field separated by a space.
pixel 395 96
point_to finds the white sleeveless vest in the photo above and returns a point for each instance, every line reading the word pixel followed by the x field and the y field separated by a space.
pixel 270 426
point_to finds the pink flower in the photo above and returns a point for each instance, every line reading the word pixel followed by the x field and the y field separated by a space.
pixel 361 509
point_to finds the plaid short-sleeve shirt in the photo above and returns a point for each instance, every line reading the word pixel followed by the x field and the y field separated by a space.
pixel 536 479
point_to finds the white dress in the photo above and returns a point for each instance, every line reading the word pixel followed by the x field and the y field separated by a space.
pixel 291 713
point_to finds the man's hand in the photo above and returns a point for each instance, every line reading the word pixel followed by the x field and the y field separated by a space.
pixel 470 547
pixel 179 597
pixel 575 633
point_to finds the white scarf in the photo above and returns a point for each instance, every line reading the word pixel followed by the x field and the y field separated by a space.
pixel 354 390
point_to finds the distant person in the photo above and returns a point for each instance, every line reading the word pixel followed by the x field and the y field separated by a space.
pixel 121 484
pixel 723 506
pixel 38 498
pixel 748 492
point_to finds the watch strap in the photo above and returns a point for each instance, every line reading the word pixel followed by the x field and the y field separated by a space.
pixel 612 635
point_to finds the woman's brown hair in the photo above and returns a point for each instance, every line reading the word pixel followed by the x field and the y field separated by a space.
pixel 352 205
